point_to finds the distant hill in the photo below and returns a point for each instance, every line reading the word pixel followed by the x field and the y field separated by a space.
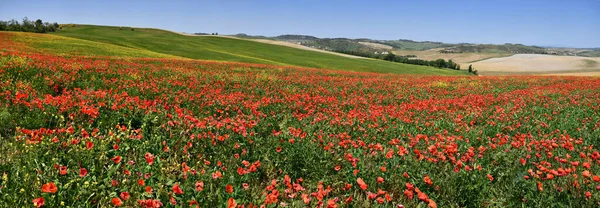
pixel 358 46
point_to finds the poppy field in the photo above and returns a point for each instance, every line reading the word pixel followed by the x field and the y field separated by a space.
pixel 154 132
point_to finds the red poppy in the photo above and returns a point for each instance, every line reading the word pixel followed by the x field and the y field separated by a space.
pixel 49 188
pixel 116 201
pixel 380 180
pixel 586 174
pixel 149 158
pixel 229 188
pixel 428 180
pixel 125 195
pixel 83 172
pixel 148 189
pixel 409 194
pixel 176 189
pixel 38 202
pixel 141 182
pixel 231 203
pixel 89 145
pixel 586 165
pixel 199 185
pixel 362 184
pixel 432 204
pixel 305 198
pixel 116 159
pixel 63 170
pixel 217 175
pixel 588 195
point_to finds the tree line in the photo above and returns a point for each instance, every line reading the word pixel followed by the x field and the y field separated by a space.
pixel 27 25
pixel 408 59
pixel 439 63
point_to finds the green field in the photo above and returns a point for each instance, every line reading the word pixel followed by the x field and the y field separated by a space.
pixel 167 43
pixel 59 45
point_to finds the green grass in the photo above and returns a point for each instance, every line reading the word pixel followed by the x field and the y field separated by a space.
pixel 72 46
pixel 229 49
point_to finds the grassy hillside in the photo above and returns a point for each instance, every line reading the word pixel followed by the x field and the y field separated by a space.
pixel 229 49
pixel 55 44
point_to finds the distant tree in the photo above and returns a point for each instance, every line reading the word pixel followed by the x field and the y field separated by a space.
pixel 389 57
pixel 470 68
pixel 28 25
pixel 39 26
pixel 440 63
pixel 457 66
pixel 216 33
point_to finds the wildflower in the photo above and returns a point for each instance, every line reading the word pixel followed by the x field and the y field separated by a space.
pixel 125 195
pixel 229 188
pixel 199 186
pixel 362 184
pixel 83 172
pixel 348 200
pixel 149 158
pixel 63 170
pixel 432 204
pixel 428 180
pixel 231 203
pixel 586 174
pixel 89 145
pixel 116 201
pixel 116 159
pixel 49 188
pixel 176 189
pixel 217 175
pixel 38 202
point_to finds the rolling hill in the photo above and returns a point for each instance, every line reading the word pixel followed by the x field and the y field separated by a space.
pixel 228 49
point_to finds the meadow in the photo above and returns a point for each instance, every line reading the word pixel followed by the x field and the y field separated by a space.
pixel 237 50
pixel 97 131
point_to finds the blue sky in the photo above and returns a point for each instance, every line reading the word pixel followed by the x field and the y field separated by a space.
pixel 567 23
